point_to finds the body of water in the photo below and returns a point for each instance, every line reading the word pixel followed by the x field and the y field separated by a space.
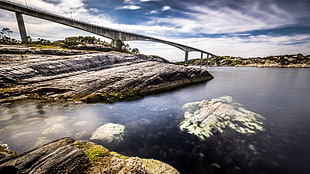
pixel 281 95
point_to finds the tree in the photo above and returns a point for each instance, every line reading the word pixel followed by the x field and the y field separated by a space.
pixel 29 39
pixel 7 31
pixel 5 35
pixel 117 44
pixel 135 51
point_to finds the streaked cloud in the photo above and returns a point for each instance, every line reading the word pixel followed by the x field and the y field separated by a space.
pixel 212 20
pixel 254 46
pixel 224 27
pixel 128 7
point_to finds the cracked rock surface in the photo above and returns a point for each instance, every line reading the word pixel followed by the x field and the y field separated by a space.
pixel 105 76
pixel 212 117
pixel 66 155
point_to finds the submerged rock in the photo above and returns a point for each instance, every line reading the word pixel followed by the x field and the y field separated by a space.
pixel 69 156
pixel 109 133
pixel 54 129
pixel 210 117
pixel 56 119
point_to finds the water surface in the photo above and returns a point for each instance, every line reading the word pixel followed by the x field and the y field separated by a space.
pixel 281 95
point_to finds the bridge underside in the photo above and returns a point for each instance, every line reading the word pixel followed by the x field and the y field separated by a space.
pixel 99 30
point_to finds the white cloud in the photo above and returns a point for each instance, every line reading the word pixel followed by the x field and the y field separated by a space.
pixel 204 20
pixel 153 12
pixel 128 7
pixel 254 46
pixel 165 8
pixel 223 19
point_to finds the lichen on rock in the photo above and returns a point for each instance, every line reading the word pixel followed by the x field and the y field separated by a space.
pixel 69 156
pixel 210 117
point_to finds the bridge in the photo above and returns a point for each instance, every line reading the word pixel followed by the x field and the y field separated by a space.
pixel 96 29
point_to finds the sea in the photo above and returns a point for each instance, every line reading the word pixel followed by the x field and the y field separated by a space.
pixel 152 123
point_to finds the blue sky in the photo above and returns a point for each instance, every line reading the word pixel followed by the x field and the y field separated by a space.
pixel 246 28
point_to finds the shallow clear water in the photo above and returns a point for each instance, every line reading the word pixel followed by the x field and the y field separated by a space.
pixel 280 95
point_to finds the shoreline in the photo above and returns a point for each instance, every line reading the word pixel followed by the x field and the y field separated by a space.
pixel 282 61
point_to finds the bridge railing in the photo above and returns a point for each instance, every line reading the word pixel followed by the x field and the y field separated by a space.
pixel 60 16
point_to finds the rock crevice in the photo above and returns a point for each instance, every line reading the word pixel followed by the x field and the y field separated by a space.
pixel 69 156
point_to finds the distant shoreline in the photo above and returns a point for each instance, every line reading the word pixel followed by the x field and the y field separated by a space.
pixel 282 61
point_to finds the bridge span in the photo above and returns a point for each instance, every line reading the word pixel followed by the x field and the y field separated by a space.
pixel 96 29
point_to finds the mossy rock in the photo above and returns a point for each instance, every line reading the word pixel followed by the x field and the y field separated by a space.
pixel 111 97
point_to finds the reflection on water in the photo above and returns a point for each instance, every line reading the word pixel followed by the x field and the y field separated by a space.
pixel 152 123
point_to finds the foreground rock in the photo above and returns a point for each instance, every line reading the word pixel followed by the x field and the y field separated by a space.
pixel 106 76
pixel 69 156
pixel 208 118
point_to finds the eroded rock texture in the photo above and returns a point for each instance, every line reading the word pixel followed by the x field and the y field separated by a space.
pixel 56 157
pixel 106 77
pixel 212 117
pixel 69 156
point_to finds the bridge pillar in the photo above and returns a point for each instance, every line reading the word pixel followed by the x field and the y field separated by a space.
pixel 21 26
pixel 201 55
pixel 186 58
pixel 207 60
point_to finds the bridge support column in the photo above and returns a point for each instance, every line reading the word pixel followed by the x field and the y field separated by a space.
pixel 201 55
pixel 186 58
pixel 21 26
pixel 207 61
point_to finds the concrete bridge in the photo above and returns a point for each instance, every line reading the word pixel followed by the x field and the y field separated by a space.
pixel 99 30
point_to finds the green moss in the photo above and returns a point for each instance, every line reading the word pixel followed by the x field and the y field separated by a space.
pixel 119 156
pixel 93 151
pixel 41 46
pixel 94 154
pixel 112 96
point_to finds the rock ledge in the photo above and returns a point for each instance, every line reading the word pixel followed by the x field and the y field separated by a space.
pixel 95 77
pixel 69 156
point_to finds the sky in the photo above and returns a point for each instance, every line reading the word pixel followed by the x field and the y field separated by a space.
pixel 245 28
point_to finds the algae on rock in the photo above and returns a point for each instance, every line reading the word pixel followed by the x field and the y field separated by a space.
pixel 210 117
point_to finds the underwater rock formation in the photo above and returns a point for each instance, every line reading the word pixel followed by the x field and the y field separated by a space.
pixel 109 133
pixel 210 117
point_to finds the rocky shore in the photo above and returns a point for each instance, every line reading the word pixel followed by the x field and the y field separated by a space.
pixel 69 156
pixel 88 76
pixel 282 61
